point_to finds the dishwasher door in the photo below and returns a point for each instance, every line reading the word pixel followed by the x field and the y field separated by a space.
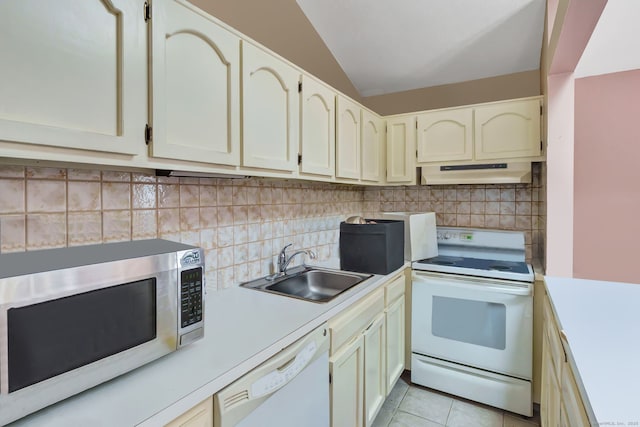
pixel 290 389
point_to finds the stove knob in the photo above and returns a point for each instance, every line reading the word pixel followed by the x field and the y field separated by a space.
pixel 447 236
pixel 439 236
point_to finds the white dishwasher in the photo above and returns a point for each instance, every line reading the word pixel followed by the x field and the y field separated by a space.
pixel 289 390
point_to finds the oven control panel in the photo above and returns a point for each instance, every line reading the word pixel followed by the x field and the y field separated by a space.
pixel 480 238
pixel 464 236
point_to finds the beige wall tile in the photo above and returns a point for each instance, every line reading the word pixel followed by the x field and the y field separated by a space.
pixel 144 224
pixel 168 196
pixel 83 175
pixel 208 217
pixel 84 228
pixel 12 233
pixel 144 196
pixel 189 219
pixel 116 176
pixel 46 173
pixel 168 220
pixel 46 231
pixel 46 196
pixel 225 195
pixel 116 226
pixel 189 196
pixel 143 177
pixel 12 171
pixel 12 196
pixel 84 196
pixel 116 196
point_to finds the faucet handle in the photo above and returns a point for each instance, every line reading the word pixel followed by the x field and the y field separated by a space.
pixel 312 254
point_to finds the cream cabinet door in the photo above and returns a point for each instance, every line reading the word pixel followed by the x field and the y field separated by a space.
pixel 73 74
pixel 317 146
pixel 195 87
pixel 346 367
pixel 445 136
pixel 270 111
pixel 550 393
pixel 401 149
pixel 200 415
pixel 506 130
pixel 375 382
pixel 572 412
pixel 347 139
pixel 372 132
pixel 395 316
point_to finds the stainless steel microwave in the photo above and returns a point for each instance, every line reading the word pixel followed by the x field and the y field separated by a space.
pixel 72 318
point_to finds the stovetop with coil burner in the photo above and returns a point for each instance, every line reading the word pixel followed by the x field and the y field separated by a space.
pixel 481 253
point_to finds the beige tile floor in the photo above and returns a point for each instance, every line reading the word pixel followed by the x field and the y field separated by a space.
pixel 410 405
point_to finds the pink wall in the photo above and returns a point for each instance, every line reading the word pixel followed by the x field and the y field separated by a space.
pixel 607 177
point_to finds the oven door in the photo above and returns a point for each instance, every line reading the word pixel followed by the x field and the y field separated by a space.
pixel 478 322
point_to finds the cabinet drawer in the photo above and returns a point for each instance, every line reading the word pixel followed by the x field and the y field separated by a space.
pixel 344 326
pixel 394 289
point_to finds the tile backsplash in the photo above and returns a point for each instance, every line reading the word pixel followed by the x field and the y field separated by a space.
pixel 241 224
pixel 516 207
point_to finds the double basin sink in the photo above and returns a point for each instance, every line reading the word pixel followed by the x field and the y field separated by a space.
pixel 308 283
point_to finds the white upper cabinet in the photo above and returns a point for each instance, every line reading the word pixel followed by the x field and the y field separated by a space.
pixel 270 111
pixel 445 135
pixel 318 136
pixel 480 133
pixel 347 139
pixel 505 130
pixel 401 149
pixel 195 86
pixel 73 74
pixel 372 134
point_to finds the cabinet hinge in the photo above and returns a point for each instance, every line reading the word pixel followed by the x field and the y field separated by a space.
pixel 299 87
pixel 541 147
pixel 147 11
pixel 330 379
pixel 148 134
pixel 541 110
pixel 299 159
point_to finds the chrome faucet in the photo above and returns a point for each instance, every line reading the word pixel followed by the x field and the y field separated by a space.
pixel 284 261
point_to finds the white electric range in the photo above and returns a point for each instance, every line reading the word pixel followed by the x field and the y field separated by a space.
pixel 472 318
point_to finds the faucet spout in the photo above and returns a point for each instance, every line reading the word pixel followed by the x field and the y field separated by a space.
pixel 284 261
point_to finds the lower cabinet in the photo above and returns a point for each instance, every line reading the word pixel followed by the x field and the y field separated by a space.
pixel 367 355
pixel 560 402
pixel 200 415
pixel 347 384
pixel 395 309
pixel 375 382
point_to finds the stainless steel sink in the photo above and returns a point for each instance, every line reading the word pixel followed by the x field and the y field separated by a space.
pixel 308 283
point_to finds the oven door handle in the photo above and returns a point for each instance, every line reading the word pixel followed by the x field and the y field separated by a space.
pixel 484 285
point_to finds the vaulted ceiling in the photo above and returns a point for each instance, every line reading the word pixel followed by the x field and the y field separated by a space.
pixel 400 45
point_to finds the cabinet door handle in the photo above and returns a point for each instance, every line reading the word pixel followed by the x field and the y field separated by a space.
pixel 563 340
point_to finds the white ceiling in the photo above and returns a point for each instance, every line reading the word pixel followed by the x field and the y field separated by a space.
pixel 391 46
pixel 614 45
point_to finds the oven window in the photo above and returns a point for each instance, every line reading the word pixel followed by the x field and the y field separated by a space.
pixel 53 337
pixel 473 322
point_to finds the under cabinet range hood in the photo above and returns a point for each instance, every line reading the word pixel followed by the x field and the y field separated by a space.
pixel 489 173
pixel 190 174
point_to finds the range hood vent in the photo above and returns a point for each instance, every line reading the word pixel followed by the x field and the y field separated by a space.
pixel 190 174
pixel 491 173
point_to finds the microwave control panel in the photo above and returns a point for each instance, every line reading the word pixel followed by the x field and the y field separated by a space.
pixel 190 296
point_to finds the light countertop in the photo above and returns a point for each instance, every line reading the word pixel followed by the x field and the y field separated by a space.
pixel 243 328
pixel 602 325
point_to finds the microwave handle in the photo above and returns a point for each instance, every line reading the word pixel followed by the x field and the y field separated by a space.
pixel 485 285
